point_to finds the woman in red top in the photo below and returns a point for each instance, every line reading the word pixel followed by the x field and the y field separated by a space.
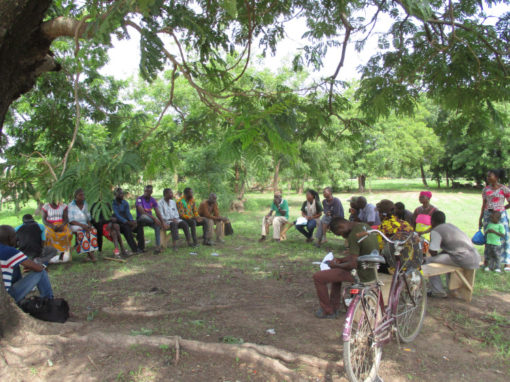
pixel 494 197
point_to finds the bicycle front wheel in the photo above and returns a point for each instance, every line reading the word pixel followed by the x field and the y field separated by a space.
pixel 411 306
pixel 362 355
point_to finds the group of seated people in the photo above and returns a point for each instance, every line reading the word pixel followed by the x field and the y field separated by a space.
pixel 62 221
pixel 448 244
pixel 34 245
pixel 317 215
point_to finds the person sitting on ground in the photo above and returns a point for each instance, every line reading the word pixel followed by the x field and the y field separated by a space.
pixel 10 260
pixel 390 225
pixel 402 213
pixel 311 210
pixel 332 208
pixel 495 232
pixel 209 210
pixel 122 213
pixel 281 209
pixel 144 206
pixel 170 216
pixel 449 246
pixel 187 207
pixel 58 233
pixel 367 213
pixel 31 238
pixel 81 225
pixel 422 215
pixel 341 267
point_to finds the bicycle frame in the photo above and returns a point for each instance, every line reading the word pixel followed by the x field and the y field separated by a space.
pixel 382 330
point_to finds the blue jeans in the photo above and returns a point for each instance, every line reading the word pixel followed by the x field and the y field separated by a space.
pixel 23 286
pixel 307 229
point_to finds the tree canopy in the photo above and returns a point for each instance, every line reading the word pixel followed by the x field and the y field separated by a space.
pixel 440 71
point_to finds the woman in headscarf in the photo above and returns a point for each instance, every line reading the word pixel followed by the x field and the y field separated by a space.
pixel 80 220
pixel 58 233
pixel 311 210
pixel 422 215
pixel 494 197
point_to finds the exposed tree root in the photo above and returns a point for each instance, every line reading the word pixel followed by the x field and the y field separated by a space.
pixel 40 348
pixel 266 356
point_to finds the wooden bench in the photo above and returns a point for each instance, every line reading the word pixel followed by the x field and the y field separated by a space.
pixel 461 282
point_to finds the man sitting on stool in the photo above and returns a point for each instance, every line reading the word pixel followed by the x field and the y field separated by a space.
pixel 209 210
pixel 281 207
pixel 171 218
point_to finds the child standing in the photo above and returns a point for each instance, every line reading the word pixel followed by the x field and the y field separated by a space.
pixel 495 231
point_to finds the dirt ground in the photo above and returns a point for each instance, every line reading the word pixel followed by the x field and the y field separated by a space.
pixel 200 298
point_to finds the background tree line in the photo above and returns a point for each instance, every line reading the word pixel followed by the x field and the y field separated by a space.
pixel 281 138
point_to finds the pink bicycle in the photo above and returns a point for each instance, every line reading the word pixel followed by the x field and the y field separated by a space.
pixel 369 323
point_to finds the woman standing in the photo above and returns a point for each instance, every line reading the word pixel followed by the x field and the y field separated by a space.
pixel 494 196
pixel 58 234
pixel 311 211
pixel 422 215
pixel 79 217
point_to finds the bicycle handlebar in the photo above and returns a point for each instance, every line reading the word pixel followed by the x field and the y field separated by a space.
pixel 396 242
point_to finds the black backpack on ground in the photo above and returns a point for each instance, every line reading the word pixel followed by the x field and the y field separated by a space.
pixel 53 310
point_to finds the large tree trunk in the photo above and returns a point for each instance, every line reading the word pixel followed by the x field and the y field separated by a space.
pixel 423 177
pixel 362 183
pixel 13 320
pixel 276 177
pixel 24 49
pixel 301 187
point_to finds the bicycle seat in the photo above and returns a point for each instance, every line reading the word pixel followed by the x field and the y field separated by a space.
pixel 373 257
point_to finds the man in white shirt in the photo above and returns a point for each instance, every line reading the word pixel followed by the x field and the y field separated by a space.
pixel 170 215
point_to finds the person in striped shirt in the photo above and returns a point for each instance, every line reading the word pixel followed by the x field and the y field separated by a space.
pixel 10 260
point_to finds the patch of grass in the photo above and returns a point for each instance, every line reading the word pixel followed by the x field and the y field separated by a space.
pixel 142 332
pixel 486 282
pixel 232 340
pixel 488 329
pixel 91 315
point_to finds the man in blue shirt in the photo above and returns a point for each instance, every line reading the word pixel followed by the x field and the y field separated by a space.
pixel 10 259
pixel 332 208
pixel 124 218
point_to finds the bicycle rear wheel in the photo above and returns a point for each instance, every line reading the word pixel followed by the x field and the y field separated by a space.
pixel 411 307
pixel 361 354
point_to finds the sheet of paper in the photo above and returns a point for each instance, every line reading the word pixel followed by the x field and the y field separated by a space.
pixel 301 221
pixel 328 257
